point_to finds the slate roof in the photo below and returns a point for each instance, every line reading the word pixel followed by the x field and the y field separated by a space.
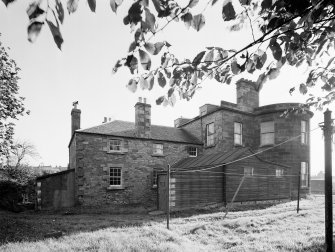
pixel 127 129
pixel 211 159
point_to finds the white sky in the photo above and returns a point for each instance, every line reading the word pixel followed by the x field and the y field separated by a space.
pixel 51 79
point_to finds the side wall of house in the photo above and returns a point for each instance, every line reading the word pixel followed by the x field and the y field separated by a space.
pixel 224 129
pixel 291 153
pixel 136 161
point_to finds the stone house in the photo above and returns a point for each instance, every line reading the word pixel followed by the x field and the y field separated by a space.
pixel 116 163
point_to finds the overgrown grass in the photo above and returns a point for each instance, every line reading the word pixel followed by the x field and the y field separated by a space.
pixel 277 228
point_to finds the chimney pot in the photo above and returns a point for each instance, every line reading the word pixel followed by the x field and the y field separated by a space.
pixel 139 99
pixel 144 100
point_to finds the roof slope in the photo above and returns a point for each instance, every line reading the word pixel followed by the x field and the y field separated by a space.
pixel 220 158
pixel 211 159
pixel 127 129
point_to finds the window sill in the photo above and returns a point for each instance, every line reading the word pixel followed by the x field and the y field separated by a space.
pixel 111 188
pixel 191 156
pixel 158 155
pixel 266 145
pixel 154 187
pixel 117 152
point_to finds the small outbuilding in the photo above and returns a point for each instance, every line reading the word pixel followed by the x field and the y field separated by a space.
pixel 215 178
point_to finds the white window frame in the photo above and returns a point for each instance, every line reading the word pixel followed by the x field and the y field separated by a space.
pixel 279 172
pixel 267 133
pixel 304 175
pixel 210 135
pixel 304 135
pixel 192 151
pixel 238 132
pixel 116 176
pixel 158 149
pixel 115 145
pixel 248 171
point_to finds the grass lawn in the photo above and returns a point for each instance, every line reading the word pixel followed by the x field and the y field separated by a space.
pixel 276 228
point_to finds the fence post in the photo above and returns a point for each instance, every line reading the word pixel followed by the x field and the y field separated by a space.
pixel 299 179
pixel 328 181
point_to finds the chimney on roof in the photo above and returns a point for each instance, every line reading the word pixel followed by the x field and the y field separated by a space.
pixel 180 121
pixel 75 118
pixel 105 120
pixel 143 118
pixel 247 95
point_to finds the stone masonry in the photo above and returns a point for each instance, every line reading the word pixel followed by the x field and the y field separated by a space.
pixel 91 157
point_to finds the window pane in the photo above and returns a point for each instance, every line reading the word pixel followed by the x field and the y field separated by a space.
pixel 304 174
pixel 115 144
pixel 237 128
pixel 237 139
pixel 267 127
pixel 248 171
pixel 303 126
pixel 210 140
pixel 210 128
pixel 267 139
pixel 158 148
pixel 115 176
pixel 192 151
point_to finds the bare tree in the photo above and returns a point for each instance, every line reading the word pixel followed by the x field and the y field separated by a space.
pixel 21 151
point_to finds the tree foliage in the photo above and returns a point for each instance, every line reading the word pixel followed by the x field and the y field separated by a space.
pixel 292 33
pixel 11 104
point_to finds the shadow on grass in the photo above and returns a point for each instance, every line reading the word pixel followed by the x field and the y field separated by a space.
pixel 34 226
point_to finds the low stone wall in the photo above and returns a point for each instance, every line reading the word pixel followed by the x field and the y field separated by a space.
pixel 55 191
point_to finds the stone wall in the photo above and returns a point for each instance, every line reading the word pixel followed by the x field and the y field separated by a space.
pixel 224 129
pixel 137 162
pixel 291 153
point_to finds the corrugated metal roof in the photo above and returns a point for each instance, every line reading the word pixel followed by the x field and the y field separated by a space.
pixel 211 159
pixel 127 129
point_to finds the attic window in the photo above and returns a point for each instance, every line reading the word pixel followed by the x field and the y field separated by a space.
pixel 192 151
pixel 115 145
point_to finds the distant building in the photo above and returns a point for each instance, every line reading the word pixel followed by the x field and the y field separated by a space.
pixel 116 163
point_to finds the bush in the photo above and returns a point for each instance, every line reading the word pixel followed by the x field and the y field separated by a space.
pixel 10 195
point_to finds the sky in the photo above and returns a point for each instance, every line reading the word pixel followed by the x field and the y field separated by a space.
pixel 82 71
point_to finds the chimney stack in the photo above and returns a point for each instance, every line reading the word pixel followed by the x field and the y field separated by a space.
pixel 75 118
pixel 247 95
pixel 143 118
